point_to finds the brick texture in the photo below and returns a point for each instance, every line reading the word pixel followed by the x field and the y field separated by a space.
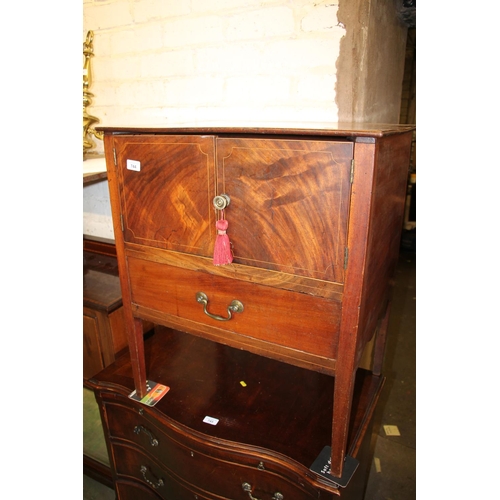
pixel 166 62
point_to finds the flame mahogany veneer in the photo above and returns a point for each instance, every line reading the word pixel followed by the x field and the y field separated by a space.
pixel 314 219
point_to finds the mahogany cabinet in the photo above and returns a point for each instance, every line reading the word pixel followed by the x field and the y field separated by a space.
pixel 314 221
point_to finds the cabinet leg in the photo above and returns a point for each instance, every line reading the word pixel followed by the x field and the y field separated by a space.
pixel 136 347
pixel 344 387
pixel 379 350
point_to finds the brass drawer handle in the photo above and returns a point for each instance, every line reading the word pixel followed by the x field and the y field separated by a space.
pixel 235 306
pixel 155 484
pixel 248 488
pixel 152 440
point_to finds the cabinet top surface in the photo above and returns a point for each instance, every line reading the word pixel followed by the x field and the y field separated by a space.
pixel 301 129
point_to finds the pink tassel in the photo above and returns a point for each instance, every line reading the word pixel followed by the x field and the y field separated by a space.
pixel 222 248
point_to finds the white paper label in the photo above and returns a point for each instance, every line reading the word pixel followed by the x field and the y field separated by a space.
pixel 134 165
pixel 391 430
pixel 211 420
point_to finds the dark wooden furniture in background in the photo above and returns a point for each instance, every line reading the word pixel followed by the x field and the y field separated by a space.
pixel 103 319
pixel 315 219
pixel 103 315
pixel 103 325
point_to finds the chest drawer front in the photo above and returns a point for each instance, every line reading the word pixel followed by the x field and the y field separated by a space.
pixel 173 448
pixel 126 423
pixel 129 490
pixel 289 203
pixel 205 475
pixel 166 191
pixel 151 480
pixel 171 292
pixel 132 490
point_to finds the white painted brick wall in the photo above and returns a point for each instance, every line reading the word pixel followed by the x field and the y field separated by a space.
pixel 197 62
pixel 190 62
pixel 97 220
pixel 261 24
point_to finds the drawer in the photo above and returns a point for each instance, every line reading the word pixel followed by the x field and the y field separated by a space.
pixel 171 292
pixel 135 426
pixel 204 476
pixel 155 483
pixel 132 490
pixel 146 449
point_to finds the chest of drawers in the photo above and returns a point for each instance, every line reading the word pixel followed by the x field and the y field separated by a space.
pixel 314 220
pixel 267 433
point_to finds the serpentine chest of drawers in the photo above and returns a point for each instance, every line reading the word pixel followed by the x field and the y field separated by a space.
pixel 311 231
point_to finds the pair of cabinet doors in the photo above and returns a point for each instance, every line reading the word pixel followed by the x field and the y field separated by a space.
pixel 288 199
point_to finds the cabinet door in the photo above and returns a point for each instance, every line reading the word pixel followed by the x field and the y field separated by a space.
pixel 167 187
pixel 289 203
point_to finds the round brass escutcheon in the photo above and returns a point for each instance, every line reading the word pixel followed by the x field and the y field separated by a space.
pixel 221 201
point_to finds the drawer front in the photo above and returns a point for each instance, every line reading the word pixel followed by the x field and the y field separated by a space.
pixel 147 450
pixel 171 291
pixel 203 475
pixel 154 481
pixel 133 425
pixel 132 490
pixel 129 490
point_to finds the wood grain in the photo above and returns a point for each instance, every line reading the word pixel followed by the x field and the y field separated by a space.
pixel 239 272
pixel 314 248
pixel 133 328
pixel 289 203
pixel 385 221
pixel 171 291
pixel 168 202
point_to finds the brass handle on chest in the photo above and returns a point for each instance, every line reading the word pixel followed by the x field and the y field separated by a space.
pixel 234 307
pixel 221 202
pixel 155 484
pixel 248 488
pixel 153 441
